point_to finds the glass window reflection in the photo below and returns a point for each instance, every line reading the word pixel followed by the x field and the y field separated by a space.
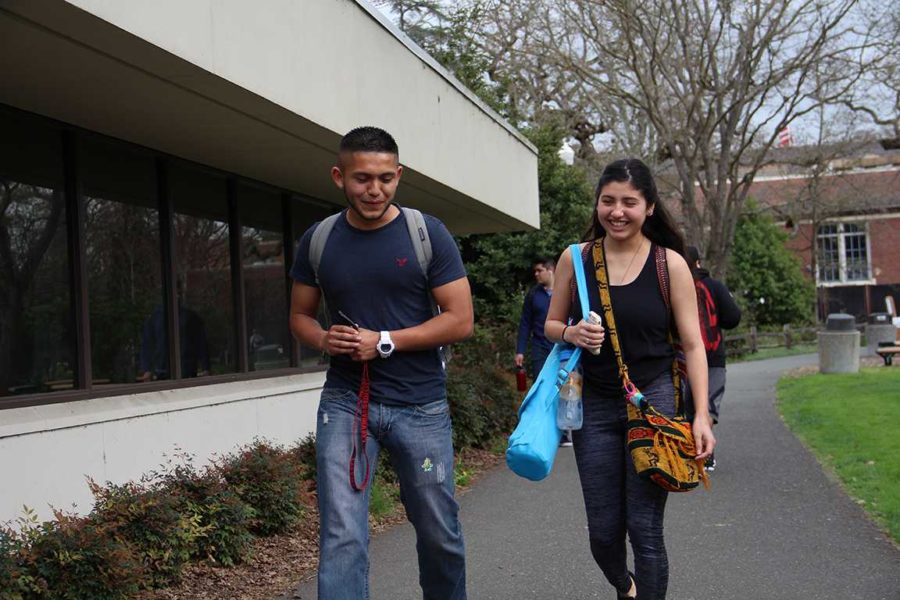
pixel 262 261
pixel 36 334
pixel 202 272
pixel 124 267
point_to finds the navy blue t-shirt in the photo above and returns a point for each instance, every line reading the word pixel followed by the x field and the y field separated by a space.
pixel 375 279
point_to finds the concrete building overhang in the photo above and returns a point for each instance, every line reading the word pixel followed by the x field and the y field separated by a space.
pixel 265 91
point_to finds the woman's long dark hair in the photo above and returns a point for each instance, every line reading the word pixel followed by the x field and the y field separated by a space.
pixel 659 227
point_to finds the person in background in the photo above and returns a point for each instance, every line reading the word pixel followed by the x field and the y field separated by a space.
pixel 717 311
pixel 153 360
pixel 534 313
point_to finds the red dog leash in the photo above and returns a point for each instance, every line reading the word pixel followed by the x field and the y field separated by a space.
pixel 361 421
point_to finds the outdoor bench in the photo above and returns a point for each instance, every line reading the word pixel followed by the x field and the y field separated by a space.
pixel 887 353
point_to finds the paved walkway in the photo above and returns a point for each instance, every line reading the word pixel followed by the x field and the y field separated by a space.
pixel 773 527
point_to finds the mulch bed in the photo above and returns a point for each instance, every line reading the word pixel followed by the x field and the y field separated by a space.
pixel 280 562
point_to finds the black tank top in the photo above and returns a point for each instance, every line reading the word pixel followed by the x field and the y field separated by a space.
pixel 642 325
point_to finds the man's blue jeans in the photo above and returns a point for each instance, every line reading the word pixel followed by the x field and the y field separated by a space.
pixel 419 442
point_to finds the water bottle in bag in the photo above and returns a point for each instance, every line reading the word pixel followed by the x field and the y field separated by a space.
pixel 570 412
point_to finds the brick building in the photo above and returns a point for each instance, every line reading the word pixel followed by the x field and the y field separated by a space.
pixel 848 209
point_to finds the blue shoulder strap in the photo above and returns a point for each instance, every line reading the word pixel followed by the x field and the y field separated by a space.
pixel 581 281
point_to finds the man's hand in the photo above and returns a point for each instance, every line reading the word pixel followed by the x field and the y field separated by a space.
pixel 367 348
pixel 520 360
pixel 340 339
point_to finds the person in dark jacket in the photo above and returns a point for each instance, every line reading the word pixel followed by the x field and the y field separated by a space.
pixel 534 313
pixel 728 316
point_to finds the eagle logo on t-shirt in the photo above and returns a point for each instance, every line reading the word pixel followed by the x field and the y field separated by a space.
pixel 401 262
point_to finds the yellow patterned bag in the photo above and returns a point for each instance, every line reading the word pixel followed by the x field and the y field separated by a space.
pixel 662 448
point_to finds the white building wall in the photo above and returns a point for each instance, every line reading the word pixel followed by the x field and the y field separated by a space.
pixel 47 452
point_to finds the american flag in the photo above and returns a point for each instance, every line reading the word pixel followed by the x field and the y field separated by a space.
pixel 784 137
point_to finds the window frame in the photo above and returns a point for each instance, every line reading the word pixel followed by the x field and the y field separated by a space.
pixel 83 388
pixel 840 235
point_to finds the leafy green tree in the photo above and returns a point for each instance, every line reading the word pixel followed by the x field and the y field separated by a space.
pixel 766 277
pixel 499 265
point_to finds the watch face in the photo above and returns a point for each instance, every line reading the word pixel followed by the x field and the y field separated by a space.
pixel 385 345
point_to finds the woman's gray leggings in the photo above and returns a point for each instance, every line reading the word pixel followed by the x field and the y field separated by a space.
pixel 617 500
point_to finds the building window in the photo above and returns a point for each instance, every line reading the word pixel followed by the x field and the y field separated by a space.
pixel 843 255
pixel 265 292
pixel 203 272
pixel 94 230
pixel 124 267
pixel 37 341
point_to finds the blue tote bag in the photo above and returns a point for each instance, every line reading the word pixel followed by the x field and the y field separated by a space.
pixel 533 444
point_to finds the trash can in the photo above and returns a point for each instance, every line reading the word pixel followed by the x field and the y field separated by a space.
pixel 839 345
pixel 879 329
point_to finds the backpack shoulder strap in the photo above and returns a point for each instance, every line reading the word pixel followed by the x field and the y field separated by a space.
pixel 679 365
pixel 317 242
pixel 662 273
pixel 421 241
pixel 418 233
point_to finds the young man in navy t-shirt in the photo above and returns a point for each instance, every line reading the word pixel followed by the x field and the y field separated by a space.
pixel 388 337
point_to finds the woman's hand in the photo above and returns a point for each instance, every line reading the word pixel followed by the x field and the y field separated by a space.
pixel 585 335
pixel 704 440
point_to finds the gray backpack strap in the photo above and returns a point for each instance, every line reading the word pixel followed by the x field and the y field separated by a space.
pixel 418 233
pixel 317 242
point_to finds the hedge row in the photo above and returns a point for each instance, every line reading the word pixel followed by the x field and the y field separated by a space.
pixel 142 535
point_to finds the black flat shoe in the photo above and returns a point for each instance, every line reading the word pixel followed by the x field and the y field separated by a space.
pixel 631 583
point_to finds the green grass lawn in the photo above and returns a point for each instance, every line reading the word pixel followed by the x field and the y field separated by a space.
pixel 850 422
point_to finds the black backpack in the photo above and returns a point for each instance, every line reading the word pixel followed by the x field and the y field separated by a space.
pixel 709 318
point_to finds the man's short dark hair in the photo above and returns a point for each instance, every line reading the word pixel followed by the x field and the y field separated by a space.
pixel 547 263
pixel 692 253
pixel 368 139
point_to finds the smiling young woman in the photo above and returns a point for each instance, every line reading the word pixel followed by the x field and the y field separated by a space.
pixel 631 224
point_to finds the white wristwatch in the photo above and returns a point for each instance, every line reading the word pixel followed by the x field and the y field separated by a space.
pixel 385 345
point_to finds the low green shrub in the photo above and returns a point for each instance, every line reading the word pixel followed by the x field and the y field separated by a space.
pixel 470 417
pixel 72 557
pixel 269 480
pixel 384 497
pixel 385 469
pixel 228 539
pixel 157 525
pixel 223 518
pixel 15 581
pixel 462 475
pixel 481 395
pixel 304 452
